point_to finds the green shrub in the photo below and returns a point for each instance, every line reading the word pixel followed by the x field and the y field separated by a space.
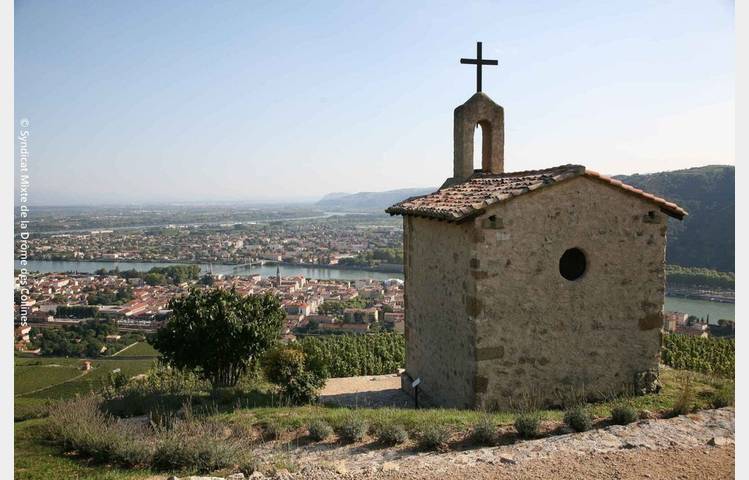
pixel 684 402
pixel 171 443
pixel 578 419
pixel 203 454
pixel 298 378
pixel 352 429
pixel 391 434
pixel 723 396
pixel 273 430
pixel 434 437
pixel 81 426
pixel 623 413
pixel 526 424
pixel 484 432
pixel 319 430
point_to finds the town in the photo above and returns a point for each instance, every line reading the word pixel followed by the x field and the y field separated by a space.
pixel 312 306
pixel 353 241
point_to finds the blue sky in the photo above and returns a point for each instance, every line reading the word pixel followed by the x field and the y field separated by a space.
pixel 133 102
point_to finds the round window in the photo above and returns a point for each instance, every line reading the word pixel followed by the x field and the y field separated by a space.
pixel 572 264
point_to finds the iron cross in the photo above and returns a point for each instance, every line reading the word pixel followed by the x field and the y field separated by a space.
pixel 478 61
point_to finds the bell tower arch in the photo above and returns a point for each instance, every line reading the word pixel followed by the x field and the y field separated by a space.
pixel 481 111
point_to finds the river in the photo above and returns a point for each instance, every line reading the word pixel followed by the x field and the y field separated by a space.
pixel 51 266
pixel 699 308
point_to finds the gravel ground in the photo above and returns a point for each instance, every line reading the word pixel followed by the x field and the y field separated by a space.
pixel 695 446
pixel 672 463
pixel 665 448
pixel 367 391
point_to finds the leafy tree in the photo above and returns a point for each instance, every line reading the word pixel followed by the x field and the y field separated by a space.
pixel 336 307
pixel 154 278
pixel 218 333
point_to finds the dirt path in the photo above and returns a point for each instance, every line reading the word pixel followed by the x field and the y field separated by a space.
pixel 125 348
pixel 367 391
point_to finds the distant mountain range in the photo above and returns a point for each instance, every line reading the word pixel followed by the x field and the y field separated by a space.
pixel 705 238
pixel 369 201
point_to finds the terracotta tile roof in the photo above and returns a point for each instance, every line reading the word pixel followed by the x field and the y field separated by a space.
pixel 468 199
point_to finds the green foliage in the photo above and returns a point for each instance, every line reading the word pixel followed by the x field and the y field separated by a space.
pixel 578 419
pixel 319 430
pixel 699 277
pixel 433 437
pixel 79 425
pixel 354 355
pixel 391 434
pixel 527 423
pixel 706 355
pixel 110 297
pixel 724 396
pixel 219 333
pixel 176 274
pixel 684 402
pixel 171 274
pixel 336 307
pixel 273 430
pixel 352 428
pixel 170 444
pixel 623 413
pixel 84 339
pixel 154 278
pixel 298 377
pixel 706 237
pixel 117 380
pixel 375 257
pixel 484 432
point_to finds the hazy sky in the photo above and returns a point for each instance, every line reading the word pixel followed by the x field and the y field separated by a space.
pixel 147 101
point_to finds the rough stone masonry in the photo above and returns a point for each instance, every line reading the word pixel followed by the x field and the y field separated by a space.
pixel 528 288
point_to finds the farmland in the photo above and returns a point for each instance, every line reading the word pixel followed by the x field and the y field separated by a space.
pixel 38 380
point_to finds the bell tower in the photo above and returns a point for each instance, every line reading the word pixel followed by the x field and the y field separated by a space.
pixel 479 111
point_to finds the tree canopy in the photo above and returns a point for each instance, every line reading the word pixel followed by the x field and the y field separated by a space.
pixel 218 333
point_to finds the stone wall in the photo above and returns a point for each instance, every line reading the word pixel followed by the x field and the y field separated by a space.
pixel 541 336
pixel 439 333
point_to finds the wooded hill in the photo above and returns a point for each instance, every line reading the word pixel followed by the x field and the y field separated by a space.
pixel 705 238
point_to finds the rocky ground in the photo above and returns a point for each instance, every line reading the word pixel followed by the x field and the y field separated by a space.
pixel 699 445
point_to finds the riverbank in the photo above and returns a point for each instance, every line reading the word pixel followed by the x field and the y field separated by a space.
pixel 692 306
pixel 327 272
pixel 698 293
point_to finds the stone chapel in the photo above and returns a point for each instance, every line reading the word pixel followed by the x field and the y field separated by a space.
pixel 540 283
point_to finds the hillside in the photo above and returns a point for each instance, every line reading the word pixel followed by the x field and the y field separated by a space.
pixel 369 201
pixel 705 238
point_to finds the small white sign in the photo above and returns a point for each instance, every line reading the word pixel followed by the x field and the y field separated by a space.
pixel 416 383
